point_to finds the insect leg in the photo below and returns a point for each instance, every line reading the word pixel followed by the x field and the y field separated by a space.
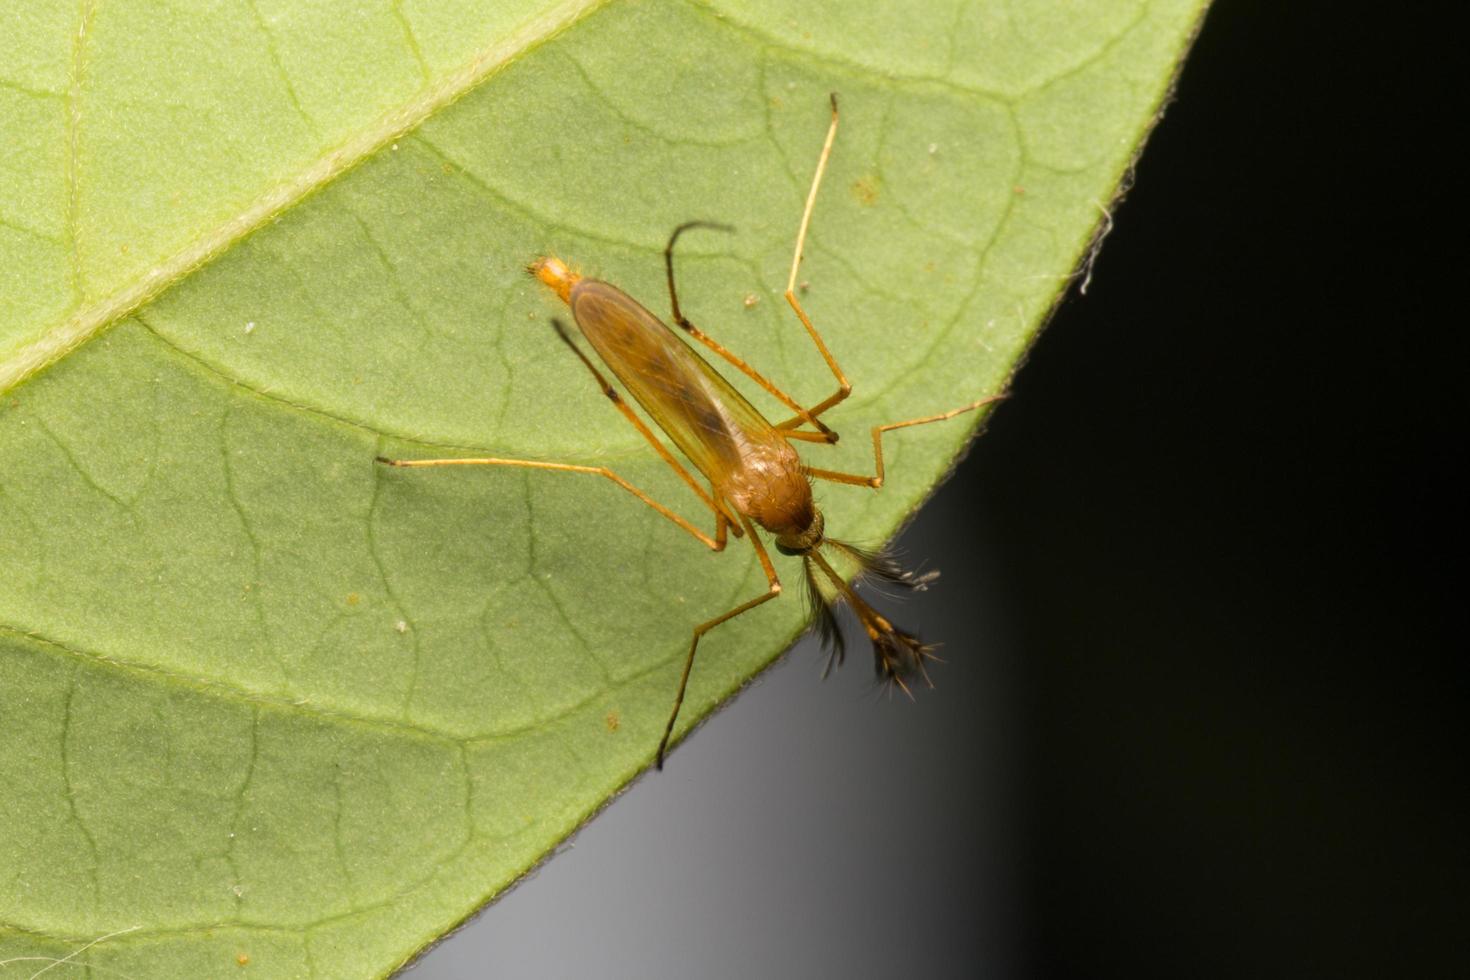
pixel 773 589
pixel 724 519
pixel 876 480
pixel 843 387
pixel 717 543
pixel 803 416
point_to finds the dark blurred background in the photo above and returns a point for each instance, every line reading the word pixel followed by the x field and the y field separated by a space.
pixel 1202 710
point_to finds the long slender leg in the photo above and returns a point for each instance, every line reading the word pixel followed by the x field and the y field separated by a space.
pixel 717 543
pixel 843 387
pixel 804 436
pixel 876 480
pixel 724 519
pixel 773 589
pixel 827 435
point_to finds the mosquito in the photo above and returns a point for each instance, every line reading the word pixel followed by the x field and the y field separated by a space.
pixel 754 473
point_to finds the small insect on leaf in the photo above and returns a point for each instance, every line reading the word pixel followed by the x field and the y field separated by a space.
pixel 756 478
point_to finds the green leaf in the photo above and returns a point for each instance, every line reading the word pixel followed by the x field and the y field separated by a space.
pixel 264 702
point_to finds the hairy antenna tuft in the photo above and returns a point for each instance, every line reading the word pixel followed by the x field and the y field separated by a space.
pixel 898 657
pixel 824 619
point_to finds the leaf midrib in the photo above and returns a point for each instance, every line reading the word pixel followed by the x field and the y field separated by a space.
pixel 58 341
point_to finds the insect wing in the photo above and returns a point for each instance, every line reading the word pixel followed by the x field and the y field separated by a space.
pixel 706 418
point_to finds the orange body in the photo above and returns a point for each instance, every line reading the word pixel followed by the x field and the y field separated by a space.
pixel 748 461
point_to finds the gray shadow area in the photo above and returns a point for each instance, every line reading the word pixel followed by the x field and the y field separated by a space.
pixel 810 829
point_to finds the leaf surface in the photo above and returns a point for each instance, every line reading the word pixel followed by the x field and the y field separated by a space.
pixel 265 703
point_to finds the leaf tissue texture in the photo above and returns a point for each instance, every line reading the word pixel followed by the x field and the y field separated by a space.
pixel 265 704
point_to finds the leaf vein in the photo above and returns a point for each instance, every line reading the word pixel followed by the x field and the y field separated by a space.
pixel 60 339
pixel 280 68
pixel 411 39
pixel 70 789
pixel 218 373
pixel 406 621
pixel 62 241
pixel 73 150
pixel 254 586
pixel 237 886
